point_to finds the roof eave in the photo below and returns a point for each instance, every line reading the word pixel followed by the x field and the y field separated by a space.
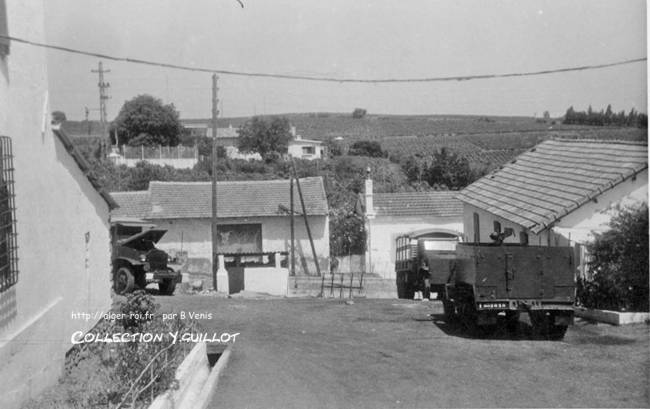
pixel 84 166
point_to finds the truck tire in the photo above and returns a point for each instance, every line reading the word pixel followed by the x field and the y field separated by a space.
pixel 167 286
pixel 543 325
pixel 512 321
pixel 450 311
pixel 123 280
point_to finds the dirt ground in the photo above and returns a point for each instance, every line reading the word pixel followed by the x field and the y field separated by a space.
pixel 313 353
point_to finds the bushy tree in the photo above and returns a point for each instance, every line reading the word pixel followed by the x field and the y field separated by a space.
pixel 145 120
pixel 265 137
pixel 347 233
pixel 58 117
pixel 366 148
pixel 442 170
pixel 619 264
pixel 359 113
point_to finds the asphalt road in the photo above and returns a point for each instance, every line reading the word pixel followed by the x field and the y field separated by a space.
pixel 312 353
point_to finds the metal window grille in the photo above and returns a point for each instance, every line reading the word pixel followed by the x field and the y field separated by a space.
pixel 8 242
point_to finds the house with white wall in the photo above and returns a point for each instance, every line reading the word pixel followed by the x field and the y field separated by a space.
pixel 55 247
pixel 558 193
pixel 390 215
pixel 252 217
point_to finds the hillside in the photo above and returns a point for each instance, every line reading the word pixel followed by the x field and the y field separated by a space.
pixel 486 141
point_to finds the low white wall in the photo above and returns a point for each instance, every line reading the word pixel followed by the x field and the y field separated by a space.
pixel 182 163
pixel 272 281
pixel 613 317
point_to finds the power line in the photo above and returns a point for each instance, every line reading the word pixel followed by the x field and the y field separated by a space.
pixel 324 78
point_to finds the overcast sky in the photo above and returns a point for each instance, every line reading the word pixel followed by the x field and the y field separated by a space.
pixel 351 39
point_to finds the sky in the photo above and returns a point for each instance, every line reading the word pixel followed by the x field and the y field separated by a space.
pixel 351 39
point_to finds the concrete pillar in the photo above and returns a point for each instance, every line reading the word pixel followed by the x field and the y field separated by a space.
pixel 222 276
pixel 277 260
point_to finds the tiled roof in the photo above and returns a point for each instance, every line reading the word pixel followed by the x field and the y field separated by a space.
pixel 172 200
pixel 554 178
pixel 437 203
pixel 132 204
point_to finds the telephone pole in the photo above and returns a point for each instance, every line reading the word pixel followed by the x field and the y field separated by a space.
pixel 215 113
pixel 102 103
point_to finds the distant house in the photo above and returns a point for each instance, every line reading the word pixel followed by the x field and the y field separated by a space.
pixel 253 217
pixel 558 193
pixel 305 148
pixel 390 215
pixel 55 254
pixel 228 138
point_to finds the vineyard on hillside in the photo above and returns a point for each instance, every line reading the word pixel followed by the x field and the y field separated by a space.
pixel 490 150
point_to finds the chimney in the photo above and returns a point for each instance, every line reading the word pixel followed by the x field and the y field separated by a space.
pixel 370 209
pixel 292 130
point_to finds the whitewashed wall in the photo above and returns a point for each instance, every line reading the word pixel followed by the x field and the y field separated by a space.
pixel 194 237
pixel 386 229
pixel 60 272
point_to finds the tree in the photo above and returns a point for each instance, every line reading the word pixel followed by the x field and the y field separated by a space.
pixel 445 169
pixel 58 117
pixel 145 120
pixel 619 264
pixel 366 148
pixel 359 113
pixel 258 135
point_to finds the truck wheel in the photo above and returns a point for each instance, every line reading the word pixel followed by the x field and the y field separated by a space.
pixel 123 280
pixel 557 332
pixel 449 311
pixel 512 321
pixel 167 287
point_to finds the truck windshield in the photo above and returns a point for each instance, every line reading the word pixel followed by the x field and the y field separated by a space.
pixel 440 245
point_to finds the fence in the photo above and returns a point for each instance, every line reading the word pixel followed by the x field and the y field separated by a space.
pixel 159 152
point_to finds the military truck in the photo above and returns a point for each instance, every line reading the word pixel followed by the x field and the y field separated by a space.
pixel 137 262
pixel 436 248
pixel 488 280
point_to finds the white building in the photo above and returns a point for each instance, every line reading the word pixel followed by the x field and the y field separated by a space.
pixel 306 148
pixel 390 215
pixel 253 217
pixel 558 193
pixel 55 254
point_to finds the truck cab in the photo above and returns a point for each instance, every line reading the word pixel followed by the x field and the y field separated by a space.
pixel 136 260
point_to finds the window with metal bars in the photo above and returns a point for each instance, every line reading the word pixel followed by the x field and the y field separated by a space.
pixel 8 244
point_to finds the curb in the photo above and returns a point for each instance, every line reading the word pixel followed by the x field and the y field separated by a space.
pixel 197 382
pixel 210 385
pixel 612 317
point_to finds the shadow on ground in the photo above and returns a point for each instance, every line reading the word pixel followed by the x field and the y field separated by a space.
pixel 523 331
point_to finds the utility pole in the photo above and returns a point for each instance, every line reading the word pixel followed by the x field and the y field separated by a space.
pixel 102 103
pixel 215 113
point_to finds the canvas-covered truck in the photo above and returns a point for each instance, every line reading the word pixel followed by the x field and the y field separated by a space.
pixel 436 248
pixel 137 262
pixel 488 280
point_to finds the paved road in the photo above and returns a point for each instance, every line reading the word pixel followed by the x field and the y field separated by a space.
pixel 308 353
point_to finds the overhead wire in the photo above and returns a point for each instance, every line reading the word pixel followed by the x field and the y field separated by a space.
pixel 323 78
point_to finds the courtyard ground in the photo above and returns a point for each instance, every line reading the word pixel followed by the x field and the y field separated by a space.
pixel 314 353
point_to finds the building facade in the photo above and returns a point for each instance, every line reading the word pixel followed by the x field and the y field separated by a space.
pixel 390 215
pixel 252 217
pixel 54 238
pixel 559 193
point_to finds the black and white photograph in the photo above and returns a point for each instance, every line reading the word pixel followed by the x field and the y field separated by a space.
pixel 242 204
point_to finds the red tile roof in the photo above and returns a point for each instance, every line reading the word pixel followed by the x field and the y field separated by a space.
pixel 554 178
pixel 174 200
